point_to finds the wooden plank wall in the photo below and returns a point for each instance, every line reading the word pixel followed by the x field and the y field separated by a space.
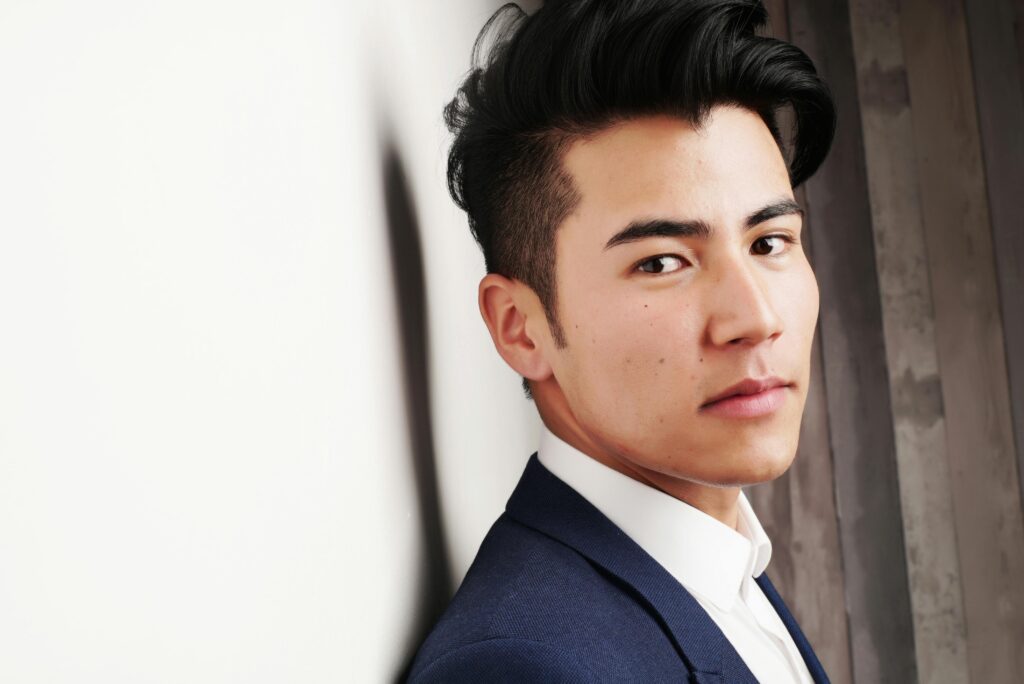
pixel 898 532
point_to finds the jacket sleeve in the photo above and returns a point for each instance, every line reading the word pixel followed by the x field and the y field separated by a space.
pixel 503 660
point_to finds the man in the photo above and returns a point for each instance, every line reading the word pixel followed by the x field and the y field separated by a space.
pixel 624 174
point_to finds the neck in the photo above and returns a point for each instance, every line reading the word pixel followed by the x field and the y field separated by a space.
pixel 720 502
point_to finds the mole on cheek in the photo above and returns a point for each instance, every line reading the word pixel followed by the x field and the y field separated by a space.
pixel 661 360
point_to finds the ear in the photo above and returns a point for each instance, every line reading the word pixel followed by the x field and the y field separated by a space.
pixel 515 318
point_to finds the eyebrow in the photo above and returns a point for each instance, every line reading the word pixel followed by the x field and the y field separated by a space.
pixel 642 229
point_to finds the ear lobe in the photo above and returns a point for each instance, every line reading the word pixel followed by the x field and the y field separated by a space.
pixel 507 307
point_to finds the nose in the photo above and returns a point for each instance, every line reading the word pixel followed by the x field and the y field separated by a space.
pixel 742 310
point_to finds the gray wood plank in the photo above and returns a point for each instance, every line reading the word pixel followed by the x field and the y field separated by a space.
pixel 1000 98
pixel 969 336
pixel 1018 29
pixel 915 387
pixel 856 379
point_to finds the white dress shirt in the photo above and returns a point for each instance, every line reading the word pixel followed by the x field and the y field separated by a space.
pixel 714 562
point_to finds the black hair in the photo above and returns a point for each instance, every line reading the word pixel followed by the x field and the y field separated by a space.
pixel 574 68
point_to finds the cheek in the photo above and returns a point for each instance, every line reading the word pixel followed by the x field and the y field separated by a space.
pixel 803 302
pixel 636 360
pixel 798 307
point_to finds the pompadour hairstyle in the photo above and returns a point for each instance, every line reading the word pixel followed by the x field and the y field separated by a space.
pixel 574 68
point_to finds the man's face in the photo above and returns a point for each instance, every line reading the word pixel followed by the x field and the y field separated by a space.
pixel 656 326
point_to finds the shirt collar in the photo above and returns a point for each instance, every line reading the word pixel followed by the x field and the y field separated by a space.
pixel 706 556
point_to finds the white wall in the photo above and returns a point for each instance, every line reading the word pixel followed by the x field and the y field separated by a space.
pixel 205 467
pixel 485 428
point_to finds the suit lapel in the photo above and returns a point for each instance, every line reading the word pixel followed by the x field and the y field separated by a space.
pixel 545 503
pixel 804 646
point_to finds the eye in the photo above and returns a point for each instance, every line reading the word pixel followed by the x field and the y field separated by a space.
pixel 663 263
pixel 784 239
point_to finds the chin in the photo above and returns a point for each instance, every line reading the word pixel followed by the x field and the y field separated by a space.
pixel 768 468
pixel 750 470
pixel 767 472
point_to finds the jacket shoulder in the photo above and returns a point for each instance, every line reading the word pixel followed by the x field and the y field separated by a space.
pixel 531 601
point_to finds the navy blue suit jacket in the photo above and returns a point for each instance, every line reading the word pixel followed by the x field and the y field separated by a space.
pixel 558 593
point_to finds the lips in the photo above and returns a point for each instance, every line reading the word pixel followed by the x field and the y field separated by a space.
pixel 748 386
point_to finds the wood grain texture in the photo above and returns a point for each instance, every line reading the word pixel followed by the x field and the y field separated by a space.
pixel 1000 99
pixel 969 336
pixel 1018 31
pixel 855 373
pixel 915 386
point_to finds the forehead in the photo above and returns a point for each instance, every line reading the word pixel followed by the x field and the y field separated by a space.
pixel 662 165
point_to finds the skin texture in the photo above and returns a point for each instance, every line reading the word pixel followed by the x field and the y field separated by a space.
pixel 650 341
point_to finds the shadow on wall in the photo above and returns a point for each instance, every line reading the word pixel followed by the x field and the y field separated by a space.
pixel 407 267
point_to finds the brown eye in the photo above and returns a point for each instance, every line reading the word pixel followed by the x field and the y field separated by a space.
pixel 661 264
pixel 762 240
